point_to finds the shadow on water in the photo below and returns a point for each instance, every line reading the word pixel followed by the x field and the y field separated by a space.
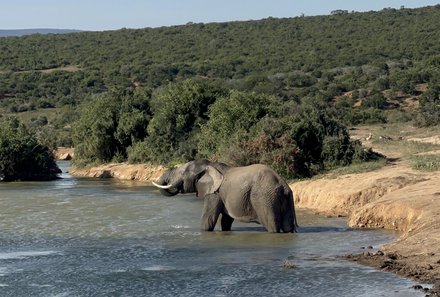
pixel 321 229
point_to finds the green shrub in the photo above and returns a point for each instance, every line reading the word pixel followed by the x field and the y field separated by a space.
pixel 21 156
pixel 179 110
pixel 108 125
pixel 429 112
pixel 377 101
pixel 231 119
pixel 301 144
pixel 363 116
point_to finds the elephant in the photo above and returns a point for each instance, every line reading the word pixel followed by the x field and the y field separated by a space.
pixel 254 193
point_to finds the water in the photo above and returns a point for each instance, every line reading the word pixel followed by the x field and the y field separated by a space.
pixel 85 237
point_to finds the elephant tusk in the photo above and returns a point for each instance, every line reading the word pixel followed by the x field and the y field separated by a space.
pixel 162 187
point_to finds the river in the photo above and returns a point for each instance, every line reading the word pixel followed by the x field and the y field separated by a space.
pixel 103 237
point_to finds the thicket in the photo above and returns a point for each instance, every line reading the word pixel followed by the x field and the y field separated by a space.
pixel 198 119
pixel 22 157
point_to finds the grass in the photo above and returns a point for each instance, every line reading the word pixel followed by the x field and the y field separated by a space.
pixel 404 147
pixel 356 168
pixel 425 162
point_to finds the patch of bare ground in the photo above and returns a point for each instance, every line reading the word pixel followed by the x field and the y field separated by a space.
pixel 64 153
pixel 394 197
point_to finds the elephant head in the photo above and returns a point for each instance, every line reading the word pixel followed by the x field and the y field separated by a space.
pixel 200 176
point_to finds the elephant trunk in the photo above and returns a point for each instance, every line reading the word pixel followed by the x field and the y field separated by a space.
pixel 166 188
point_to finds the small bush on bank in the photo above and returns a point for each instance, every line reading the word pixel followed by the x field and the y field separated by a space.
pixel 429 112
pixel 21 156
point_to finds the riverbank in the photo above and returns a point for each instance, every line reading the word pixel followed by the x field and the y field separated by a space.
pixel 394 197
pixel 124 171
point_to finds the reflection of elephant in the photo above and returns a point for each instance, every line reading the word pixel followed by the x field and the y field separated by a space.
pixel 253 193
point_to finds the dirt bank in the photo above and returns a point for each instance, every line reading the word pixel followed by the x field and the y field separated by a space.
pixel 125 171
pixel 394 197
pixel 64 153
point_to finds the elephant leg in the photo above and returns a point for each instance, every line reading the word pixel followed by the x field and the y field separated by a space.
pixel 273 225
pixel 226 222
pixel 267 208
pixel 267 216
pixel 212 208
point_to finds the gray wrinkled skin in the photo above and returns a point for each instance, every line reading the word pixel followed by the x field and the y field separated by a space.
pixel 254 193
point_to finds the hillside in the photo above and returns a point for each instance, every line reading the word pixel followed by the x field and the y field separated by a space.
pixel 371 67
pixel 335 53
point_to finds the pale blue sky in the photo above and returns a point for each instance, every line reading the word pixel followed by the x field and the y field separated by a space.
pixel 116 14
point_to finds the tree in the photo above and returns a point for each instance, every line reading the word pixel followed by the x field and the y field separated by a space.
pixel 232 117
pixel 93 133
pixel 108 125
pixel 429 112
pixel 179 110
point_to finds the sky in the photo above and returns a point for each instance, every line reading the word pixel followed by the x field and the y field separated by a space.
pixel 98 15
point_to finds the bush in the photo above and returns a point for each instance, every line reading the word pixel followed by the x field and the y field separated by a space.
pixel 179 110
pixel 281 153
pixel 93 132
pixel 377 101
pixel 429 112
pixel 298 145
pixel 21 156
pixel 364 116
pixel 108 125
pixel 231 119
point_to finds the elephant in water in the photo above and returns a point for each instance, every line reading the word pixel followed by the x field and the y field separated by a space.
pixel 254 193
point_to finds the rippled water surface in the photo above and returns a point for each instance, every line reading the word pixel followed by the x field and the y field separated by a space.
pixel 85 237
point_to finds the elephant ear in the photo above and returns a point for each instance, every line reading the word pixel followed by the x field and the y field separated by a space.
pixel 209 181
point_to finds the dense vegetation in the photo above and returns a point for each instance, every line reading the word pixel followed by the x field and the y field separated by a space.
pixel 279 91
pixel 21 156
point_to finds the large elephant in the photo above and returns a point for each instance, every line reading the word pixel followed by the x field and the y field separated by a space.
pixel 254 193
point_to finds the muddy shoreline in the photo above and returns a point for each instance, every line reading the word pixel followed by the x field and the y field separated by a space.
pixel 395 263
